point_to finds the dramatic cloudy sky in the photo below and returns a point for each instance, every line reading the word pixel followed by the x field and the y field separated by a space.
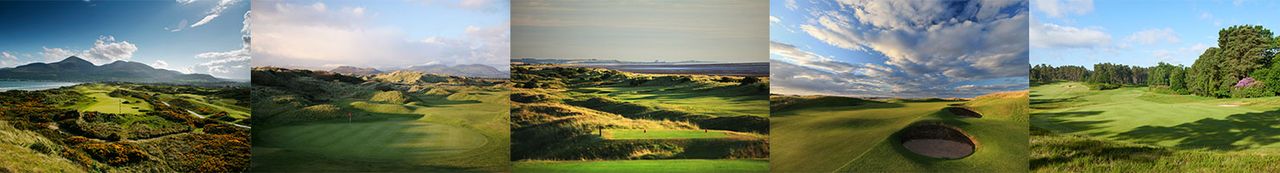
pixel 666 30
pixel 381 34
pixel 910 49
pixel 1083 32
pixel 190 36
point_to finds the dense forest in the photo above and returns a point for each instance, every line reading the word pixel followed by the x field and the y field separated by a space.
pixel 1245 63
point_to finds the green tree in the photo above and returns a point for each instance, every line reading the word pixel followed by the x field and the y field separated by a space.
pixel 1177 79
pixel 1243 49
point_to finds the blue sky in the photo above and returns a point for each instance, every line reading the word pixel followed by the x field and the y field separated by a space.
pixel 382 34
pixel 164 34
pixel 1075 32
pixel 665 30
pixel 912 49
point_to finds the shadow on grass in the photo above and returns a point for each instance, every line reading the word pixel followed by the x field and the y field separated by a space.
pixel 1065 122
pixel 441 101
pixel 1051 103
pixel 791 111
pixel 1233 133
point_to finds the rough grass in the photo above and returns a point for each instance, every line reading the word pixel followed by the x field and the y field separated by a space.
pixel 392 97
pixel 858 138
pixel 26 151
pixel 680 165
pixel 1074 153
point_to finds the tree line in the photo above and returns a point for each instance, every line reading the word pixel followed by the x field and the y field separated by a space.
pixel 1245 63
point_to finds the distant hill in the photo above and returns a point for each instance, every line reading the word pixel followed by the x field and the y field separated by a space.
pixel 410 77
pixel 356 71
pixel 74 69
pixel 600 62
pixel 465 70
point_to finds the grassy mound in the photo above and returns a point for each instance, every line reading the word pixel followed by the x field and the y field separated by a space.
pixel 779 103
pixel 393 97
pixel 310 113
pixel 962 112
pixel 28 151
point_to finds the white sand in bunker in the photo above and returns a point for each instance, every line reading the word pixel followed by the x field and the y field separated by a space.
pixel 938 148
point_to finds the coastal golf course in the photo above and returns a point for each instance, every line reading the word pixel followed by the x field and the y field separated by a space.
pixel 836 134
pixel 1132 128
pixel 438 134
pixel 391 122
pixel 572 119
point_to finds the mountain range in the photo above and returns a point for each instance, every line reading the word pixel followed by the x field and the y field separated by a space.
pixel 355 71
pixel 465 70
pixel 601 61
pixel 75 69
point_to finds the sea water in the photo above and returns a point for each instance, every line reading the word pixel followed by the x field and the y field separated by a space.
pixel 6 85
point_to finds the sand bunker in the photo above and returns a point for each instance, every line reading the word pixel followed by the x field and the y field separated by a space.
pixel 963 112
pixel 937 141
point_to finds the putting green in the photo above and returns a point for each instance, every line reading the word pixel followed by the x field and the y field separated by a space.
pixel 102 102
pixel 381 140
pixel 664 134
pixel 680 165
pixel 860 138
pixel 1133 114
pixel 686 99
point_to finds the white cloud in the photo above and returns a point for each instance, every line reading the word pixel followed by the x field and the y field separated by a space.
pixel 1061 8
pixel 478 4
pixel 227 64
pixel 1183 55
pixel 224 63
pixel 1048 35
pixel 359 11
pixel 106 49
pixel 185 2
pixel 215 12
pixel 929 45
pixel 181 25
pixel 791 4
pixel 7 59
pixel 1152 36
pixel 313 35
pixel 774 19
pixel 160 64
pixel 55 54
